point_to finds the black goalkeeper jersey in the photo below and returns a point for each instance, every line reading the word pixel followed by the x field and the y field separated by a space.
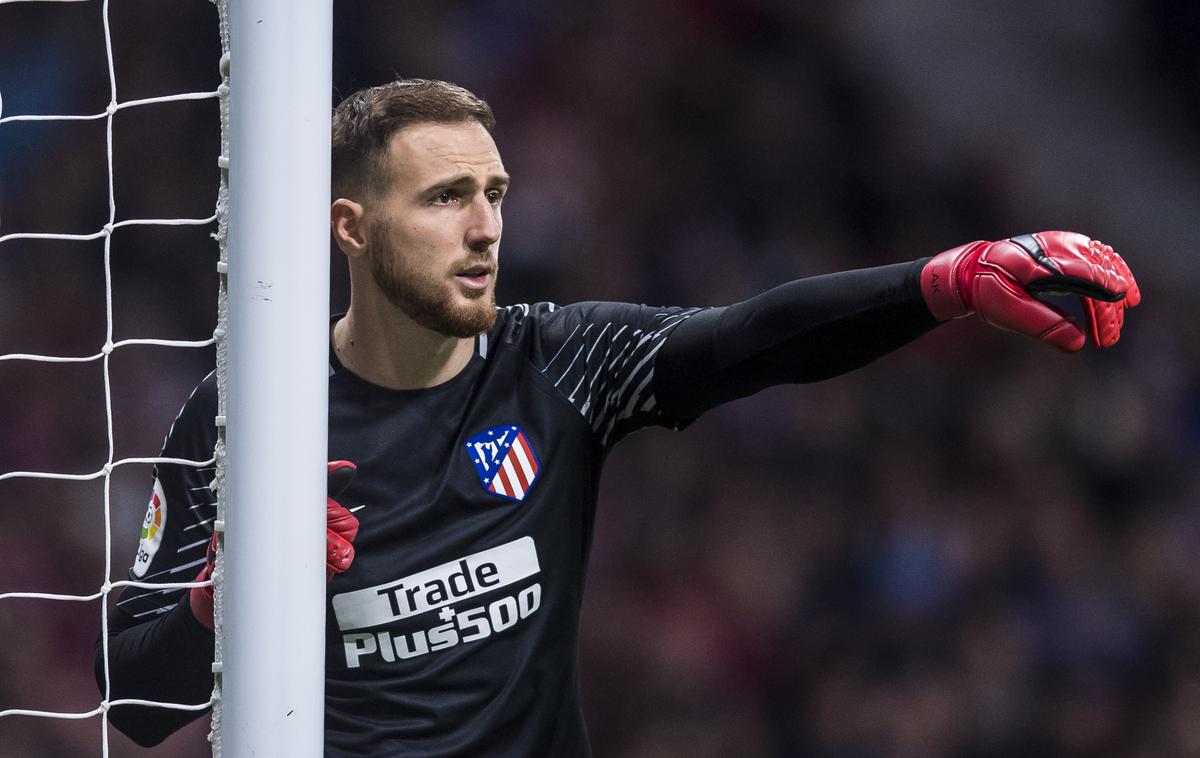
pixel 454 631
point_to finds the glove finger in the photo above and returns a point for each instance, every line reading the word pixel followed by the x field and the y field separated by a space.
pixel 1084 267
pixel 1133 295
pixel 339 554
pixel 201 598
pixel 210 555
pixel 1104 321
pixel 339 520
pixel 1104 256
pixel 1004 306
pixel 338 477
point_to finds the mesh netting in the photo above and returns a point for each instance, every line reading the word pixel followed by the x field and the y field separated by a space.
pixel 103 355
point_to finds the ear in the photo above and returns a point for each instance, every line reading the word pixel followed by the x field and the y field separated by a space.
pixel 346 221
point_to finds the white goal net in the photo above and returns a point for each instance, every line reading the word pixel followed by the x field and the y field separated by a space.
pixel 72 375
pixel 57 58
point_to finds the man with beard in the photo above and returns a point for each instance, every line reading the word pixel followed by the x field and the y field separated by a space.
pixel 479 433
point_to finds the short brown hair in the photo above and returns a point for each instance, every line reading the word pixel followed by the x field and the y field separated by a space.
pixel 365 121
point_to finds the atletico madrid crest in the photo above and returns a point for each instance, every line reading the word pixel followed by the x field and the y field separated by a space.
pixel 504 460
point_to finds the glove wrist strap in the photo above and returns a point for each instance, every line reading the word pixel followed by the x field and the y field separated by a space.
pixel 941 283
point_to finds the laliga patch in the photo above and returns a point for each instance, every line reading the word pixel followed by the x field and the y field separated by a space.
pixel 504 460
pixel 153 526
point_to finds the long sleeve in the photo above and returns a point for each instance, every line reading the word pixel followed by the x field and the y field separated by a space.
pixel 156 648
pixel 803 331
pixel 168 659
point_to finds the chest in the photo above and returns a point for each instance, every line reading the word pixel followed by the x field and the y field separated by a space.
pixel 493 459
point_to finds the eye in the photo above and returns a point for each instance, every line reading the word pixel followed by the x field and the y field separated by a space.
pixel 445 198
pixel 494 196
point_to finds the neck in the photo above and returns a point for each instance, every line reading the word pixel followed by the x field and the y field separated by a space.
pixel 387 348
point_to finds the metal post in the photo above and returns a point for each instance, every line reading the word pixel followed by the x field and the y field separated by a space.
pixel 274 577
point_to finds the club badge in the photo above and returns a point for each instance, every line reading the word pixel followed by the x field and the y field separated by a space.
pixel 504 460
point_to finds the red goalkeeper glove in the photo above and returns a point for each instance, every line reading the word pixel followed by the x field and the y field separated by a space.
pixel 340 530
pixel 1000 282
pixel 341 524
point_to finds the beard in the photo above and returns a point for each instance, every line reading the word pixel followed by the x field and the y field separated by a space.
pixel 424 297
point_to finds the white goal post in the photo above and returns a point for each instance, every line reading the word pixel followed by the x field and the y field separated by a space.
pixel 272 342
pixel 271 606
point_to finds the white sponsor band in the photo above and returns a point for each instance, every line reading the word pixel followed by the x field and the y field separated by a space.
pixel 433 588
pixel 468 625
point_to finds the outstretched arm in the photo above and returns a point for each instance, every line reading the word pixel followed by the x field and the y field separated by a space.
pixel 802 331
pixel 816 328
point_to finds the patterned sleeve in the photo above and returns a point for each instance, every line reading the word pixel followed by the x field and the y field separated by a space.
pixel 601 358
pixel 177 526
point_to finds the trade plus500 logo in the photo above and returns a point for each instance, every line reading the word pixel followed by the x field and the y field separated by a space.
pixel 435 589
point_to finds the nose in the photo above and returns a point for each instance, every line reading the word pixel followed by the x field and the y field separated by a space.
pixel 484 226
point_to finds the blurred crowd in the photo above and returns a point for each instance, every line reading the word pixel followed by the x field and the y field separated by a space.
pixel 974 547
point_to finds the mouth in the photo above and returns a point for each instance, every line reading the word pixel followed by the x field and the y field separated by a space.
pixel 477 276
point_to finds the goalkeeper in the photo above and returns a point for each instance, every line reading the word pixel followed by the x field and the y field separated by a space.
pixel 469 439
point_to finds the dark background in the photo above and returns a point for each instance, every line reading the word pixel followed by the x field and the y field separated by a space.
pixel 975 547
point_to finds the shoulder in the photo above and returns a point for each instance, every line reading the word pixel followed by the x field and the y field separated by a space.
pixel 203 400
pixel 515 319
pixel 521 315
pixel 543 323
pixel 552 324
pixel 516 323
pixel 196 421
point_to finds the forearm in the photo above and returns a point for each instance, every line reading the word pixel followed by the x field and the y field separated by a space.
pixel 168 660
pixel 803 331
